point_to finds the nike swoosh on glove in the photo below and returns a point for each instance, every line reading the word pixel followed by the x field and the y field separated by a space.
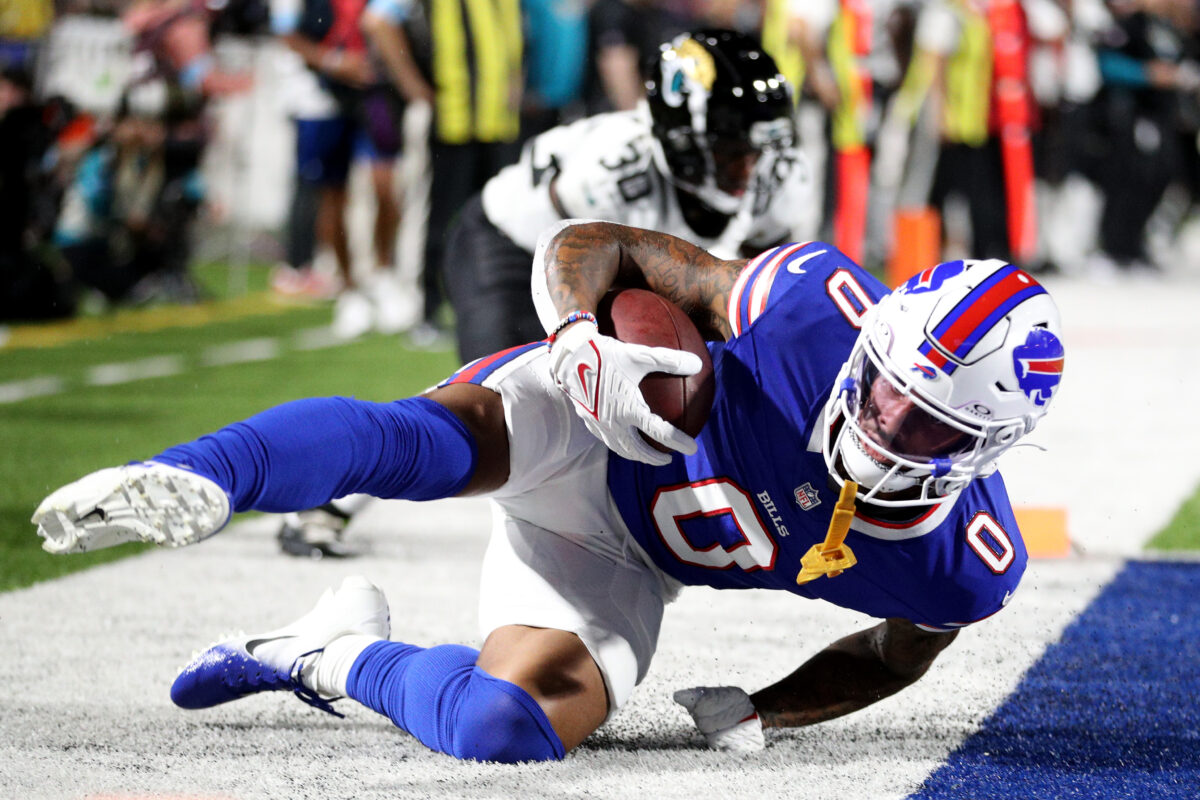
pixel 726 717
pixel 601 374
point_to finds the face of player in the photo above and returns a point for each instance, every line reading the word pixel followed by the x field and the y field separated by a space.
pixel 734 161
pixel 891 420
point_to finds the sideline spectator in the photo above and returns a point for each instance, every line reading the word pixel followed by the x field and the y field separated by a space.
pixel 475 90
pixel 623 37
pixel 367 122
pixel 306 103
pixel 557 55
pixel 176 33
pixel 1146 75
pixel 127 217
pixel 956 58
pixel 23 24
pixel 33 283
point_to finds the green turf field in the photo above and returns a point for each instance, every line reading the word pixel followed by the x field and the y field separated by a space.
pixel 51 440
pixel 1183 531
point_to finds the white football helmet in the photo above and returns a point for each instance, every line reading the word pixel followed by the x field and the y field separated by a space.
pixel 949 371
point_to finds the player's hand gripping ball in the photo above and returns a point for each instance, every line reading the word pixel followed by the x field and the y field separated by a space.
pixel 642 317
pixel 638 376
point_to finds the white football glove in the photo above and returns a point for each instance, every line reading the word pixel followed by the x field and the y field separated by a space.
pixel 601 374
pixel 726 717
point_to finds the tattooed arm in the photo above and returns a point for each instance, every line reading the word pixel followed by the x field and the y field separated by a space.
pixel 576 263
pixel 583 260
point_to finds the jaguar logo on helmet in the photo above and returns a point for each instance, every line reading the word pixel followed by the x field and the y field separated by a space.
pixel 686 66
pixel 1039 365
pixel 708 94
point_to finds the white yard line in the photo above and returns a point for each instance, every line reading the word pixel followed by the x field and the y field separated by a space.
pixel 40 386
pixel 316 339
pixel 246 351
pixel 128 371
pixel 243 352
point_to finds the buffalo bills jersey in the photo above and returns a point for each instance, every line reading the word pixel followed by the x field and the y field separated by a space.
pixel 755 497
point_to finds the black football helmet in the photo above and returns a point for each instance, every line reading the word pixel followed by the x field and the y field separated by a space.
pixel 717 102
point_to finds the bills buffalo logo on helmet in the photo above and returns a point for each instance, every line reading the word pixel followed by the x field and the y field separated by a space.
pixel 1039 364
pixel 924 370
pixel 931 279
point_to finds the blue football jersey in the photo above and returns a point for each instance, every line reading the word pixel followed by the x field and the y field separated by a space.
pixel 744 509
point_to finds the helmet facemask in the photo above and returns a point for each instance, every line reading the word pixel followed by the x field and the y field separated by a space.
pixel 902 448
pixel 948 372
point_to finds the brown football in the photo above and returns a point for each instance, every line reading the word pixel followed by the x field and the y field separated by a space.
pixel 639 316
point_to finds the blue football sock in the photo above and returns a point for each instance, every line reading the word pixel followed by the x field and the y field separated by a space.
pixel 450 705
pixel 308 452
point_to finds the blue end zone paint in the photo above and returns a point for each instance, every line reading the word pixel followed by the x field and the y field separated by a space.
pixel 1110 711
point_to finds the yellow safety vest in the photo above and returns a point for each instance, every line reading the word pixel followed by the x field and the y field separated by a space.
pixel 475 97
pixel 25 19
pixel 778 45
pixel 968 80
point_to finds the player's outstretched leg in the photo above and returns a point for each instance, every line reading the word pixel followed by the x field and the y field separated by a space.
pixel 294 456
pixel 292 658
pixel 146 502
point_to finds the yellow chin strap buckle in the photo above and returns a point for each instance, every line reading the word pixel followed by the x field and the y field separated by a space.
pixel 832 556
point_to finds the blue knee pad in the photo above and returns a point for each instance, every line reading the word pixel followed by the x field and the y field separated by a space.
pixel 308 452
pixel 450 705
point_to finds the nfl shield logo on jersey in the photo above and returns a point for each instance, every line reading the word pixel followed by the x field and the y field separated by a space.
pixel 807 497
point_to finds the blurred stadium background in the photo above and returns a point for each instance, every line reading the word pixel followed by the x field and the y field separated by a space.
pixel 1085 688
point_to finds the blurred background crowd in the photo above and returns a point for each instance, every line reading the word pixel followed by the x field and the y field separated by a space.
pixel 341 138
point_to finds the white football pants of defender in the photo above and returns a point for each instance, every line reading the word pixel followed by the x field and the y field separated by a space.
pixel 560 556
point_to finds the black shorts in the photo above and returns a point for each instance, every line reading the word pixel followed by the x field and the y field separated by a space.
pixel 487 278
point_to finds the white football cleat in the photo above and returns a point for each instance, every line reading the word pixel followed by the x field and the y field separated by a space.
pixel 280 659
pixel 146 502
pixel 352 315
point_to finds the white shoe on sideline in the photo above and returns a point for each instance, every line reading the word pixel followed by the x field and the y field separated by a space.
pixel 352 315
pixel 396 309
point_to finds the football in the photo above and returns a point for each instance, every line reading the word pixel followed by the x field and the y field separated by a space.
pixel 639 316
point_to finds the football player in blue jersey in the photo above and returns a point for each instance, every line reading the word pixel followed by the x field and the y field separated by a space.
pixel 849 455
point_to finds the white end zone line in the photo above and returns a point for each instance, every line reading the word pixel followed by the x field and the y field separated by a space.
pixel 243 352
pixel 41 386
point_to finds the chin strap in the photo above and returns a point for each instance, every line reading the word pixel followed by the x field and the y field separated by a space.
pixel 833 556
